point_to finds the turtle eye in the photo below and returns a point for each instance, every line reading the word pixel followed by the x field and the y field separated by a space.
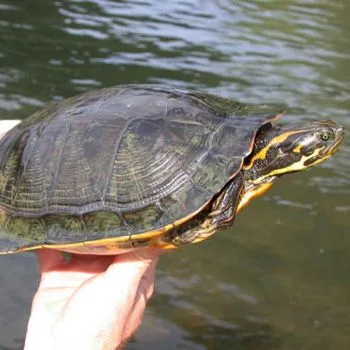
pixel 325 135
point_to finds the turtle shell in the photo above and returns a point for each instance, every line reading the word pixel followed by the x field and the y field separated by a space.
pixel 118 165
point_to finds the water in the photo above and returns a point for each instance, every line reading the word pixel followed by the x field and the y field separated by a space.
pixel 279 279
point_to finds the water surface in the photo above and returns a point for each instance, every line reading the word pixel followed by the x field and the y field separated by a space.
pixel 279 279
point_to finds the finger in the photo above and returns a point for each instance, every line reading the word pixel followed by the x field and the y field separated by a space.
pixel 60 269
pixel 102 304
pixel 49 259
pixel 112 297
pixel 131 267
pixel 126 279
pixel 133 321
pixel 144 293
pixel 145 253
pixel 147 282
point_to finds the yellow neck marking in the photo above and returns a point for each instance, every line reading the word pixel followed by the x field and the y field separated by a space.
pixel 299 165
pixel 275 141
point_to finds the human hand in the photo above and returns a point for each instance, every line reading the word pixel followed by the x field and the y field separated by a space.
pixel 89 302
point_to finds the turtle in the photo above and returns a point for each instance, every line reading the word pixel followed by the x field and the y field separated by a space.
pixel 144 166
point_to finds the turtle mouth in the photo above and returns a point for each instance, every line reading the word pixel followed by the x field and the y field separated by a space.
pixel 338 141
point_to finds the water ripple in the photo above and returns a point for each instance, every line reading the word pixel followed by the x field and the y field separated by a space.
pixel 289 52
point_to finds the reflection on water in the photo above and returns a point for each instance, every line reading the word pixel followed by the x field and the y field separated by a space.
pixel 279 278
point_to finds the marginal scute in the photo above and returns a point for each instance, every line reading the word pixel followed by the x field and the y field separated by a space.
pixel 146 218
pixel 105 223
pixel 121 161
pixel 63 228
pixel 26 228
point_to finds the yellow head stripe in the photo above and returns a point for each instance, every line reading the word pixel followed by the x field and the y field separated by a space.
pixel 297 149
pixel 275 141
pixel 299 165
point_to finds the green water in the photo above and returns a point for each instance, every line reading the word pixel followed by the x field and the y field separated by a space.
pixel 280 278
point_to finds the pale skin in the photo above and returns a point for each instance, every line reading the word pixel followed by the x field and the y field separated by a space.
pixel 90 302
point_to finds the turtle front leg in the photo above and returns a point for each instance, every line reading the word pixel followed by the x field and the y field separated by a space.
pixel 202 226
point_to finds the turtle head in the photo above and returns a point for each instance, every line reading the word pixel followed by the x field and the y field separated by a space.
pixel 278 150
